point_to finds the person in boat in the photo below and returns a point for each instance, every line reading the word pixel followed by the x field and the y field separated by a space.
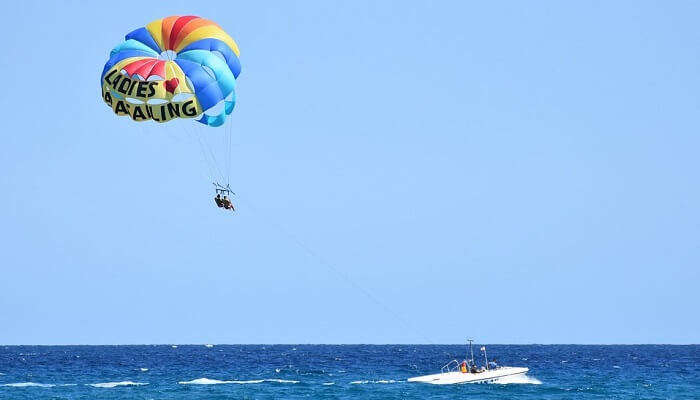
pixel 493 364
pixel 474 370
pixel 463 367
pixel 218 200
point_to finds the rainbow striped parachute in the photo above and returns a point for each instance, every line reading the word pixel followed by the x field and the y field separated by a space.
pixel 175 67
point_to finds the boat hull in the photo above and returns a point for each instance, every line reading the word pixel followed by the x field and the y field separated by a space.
pixel 456 377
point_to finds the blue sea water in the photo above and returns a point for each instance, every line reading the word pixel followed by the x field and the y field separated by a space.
pixel 340 372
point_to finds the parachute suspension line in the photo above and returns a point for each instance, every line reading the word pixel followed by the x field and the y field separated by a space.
pixel 341 274
pixel 228 161
pixel 227 166
pixel 205 145
pixel 213 155
pixel 205 157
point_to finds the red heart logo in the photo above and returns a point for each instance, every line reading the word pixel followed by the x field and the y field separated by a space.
pixel 171 85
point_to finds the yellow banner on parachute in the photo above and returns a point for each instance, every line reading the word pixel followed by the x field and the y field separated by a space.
pixel 149 100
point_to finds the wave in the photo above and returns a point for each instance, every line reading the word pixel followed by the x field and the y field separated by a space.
pixel 28 384
pixel 328 383
pixel 34 384
pixel 115 384
pixel 143 369
pixel 207 381
pixel 517 379
pixel 378 381
pixel 203 381
pixel 281 380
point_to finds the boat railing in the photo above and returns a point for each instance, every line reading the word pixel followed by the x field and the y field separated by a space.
pixel 451 366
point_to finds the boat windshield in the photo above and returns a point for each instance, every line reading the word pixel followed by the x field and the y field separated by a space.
pixel 451 366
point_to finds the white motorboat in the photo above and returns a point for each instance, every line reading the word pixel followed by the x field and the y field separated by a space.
pixel 467 371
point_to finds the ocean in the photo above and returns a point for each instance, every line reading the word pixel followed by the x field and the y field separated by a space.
pixel 342 372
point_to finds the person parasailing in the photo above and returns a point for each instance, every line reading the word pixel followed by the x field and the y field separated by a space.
pixel 227 204
pixel 223 202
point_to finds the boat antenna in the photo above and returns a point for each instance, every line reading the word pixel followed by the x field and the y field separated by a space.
pixel 486 360
pixel 471 350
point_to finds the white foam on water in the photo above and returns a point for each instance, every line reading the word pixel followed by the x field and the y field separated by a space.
pixel 517 379
pixel 616 366
pixel 28 384
pixel 207 381
pixel 110 385
pixel 203 381
pixel 143 369
pixel 328 383
pixel 378 381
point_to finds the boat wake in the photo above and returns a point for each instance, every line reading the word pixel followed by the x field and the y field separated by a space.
pixel 207 381
pixel 366 382
pixel 517 379
pixel 110 385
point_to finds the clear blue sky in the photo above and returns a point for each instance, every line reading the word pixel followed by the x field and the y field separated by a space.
pixel 517 173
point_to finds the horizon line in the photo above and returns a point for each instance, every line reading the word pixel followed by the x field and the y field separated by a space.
pixel 353 344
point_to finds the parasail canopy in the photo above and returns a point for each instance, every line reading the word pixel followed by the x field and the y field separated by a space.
pixel 174 67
